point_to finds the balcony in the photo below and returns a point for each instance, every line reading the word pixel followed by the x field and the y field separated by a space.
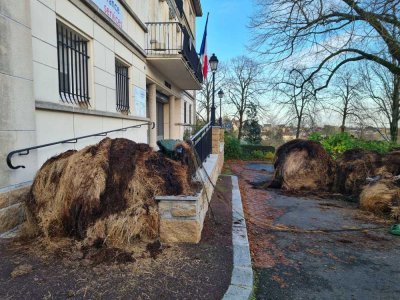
pixel 170 49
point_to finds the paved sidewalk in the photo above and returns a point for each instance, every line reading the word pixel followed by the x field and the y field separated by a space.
pixel 309 248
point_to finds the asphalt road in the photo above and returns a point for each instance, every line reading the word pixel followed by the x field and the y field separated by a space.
pixel 318 248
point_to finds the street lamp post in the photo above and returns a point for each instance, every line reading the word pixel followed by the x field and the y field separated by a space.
pixel 220 95
pixel 214 66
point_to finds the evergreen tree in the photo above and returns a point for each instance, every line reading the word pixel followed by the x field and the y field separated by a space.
pixel 251 127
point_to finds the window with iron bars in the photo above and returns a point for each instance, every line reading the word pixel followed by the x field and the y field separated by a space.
pixel 122 86
pixel 73 58
pixel 184 112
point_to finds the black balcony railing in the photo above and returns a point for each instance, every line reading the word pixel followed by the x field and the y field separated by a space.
pixel 172 38
pixel 202 142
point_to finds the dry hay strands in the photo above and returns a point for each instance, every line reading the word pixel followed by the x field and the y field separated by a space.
pixel 353 167
pixel 382 198
pixel 105 192
pixel 391 161
pixel 303 165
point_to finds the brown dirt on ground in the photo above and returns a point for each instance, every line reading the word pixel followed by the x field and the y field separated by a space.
pixel 179 271
pixel 105 193
pixel 264 251
pixel 303 165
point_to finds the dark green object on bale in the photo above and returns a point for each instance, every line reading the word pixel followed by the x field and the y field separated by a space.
pixel 168 146
pixel 395 229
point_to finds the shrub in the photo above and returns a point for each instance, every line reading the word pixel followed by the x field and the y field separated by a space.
pixel 232 147
pixel 338 143
pixel 257 154
pixel 251 148
pixel 269 156
pixel 235 150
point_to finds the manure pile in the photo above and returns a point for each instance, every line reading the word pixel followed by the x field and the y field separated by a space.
pixel 104 194
pixel 371 177
pixel 303 165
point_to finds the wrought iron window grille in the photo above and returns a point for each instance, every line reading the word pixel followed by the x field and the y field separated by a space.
pixel 73 66
pixel 122 86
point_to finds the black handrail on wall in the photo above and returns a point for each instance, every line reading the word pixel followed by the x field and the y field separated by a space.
pixel 25 151
pixel 202 142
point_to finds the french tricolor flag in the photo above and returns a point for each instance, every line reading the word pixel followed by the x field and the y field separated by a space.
pixel 203 52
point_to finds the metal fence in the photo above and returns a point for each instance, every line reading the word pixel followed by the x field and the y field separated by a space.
pixel 202 142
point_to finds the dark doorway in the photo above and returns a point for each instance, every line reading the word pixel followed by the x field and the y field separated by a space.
pixel 160 120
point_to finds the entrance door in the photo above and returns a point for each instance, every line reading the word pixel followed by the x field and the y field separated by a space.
pixel 160 120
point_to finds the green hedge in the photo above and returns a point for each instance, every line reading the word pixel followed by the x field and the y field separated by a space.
pixel 336 144
pixel 251 148
pixel 234 150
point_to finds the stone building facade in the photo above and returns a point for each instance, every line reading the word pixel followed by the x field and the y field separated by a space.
pixel 70 68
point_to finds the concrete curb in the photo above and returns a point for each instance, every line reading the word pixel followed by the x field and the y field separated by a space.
pixel 241 286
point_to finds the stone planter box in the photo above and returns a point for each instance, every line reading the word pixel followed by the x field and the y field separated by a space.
pixel 182 217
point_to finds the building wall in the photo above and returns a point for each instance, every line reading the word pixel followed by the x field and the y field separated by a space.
pixel 33 112
pixel 54 125
pixel 17 120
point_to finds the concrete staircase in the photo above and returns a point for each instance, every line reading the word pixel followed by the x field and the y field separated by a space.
pixel 12 212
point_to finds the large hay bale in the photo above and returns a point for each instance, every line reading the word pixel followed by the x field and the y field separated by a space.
pixel 353 167
pixel 303 165
pixel 105 193
pixel 391 162
pixel 381 198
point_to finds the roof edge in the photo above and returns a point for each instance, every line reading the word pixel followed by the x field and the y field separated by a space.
pixel 197 7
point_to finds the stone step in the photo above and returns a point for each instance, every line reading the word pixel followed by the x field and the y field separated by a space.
pixel 11 216
pixel 12 233
pixel 13 196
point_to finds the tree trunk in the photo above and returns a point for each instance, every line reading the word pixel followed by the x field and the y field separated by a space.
pixel 298 127
pixel 394 124
pixel 342 127
pixel 240 124
pixel 344 116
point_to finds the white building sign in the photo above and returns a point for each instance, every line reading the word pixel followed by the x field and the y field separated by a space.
pixel 112 9
pixel 140 102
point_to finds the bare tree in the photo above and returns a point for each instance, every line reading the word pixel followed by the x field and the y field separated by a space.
pixel 327 34
pixel 346 97
pixel 383 88
pixel 301 102
pixel 205 95
pixel 245 83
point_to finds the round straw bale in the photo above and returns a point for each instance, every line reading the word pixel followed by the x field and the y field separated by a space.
pixel 391 162
pixel 105 192
pixel 303 165
pixel 353 167
pixel 381 198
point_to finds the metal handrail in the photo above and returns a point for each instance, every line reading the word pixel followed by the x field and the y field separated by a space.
pixel 25 151
pixel 195 139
